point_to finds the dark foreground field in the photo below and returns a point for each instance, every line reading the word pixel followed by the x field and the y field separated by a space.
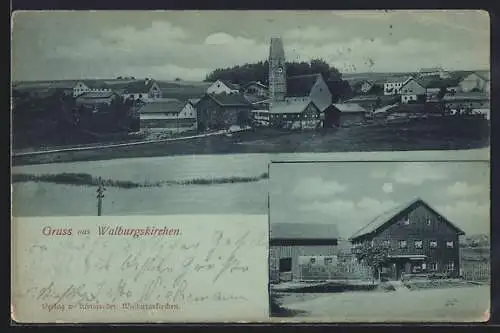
pixel 354 139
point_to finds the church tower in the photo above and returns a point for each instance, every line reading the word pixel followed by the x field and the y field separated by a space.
pixel 277 70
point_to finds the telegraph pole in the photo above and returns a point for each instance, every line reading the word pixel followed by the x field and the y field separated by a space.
pixel 100 195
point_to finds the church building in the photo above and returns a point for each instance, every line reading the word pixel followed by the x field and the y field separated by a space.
pixel 296 89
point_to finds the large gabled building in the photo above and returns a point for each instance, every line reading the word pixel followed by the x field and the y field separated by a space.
pixel 418 239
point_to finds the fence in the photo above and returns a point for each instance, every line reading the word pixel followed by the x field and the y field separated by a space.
pixel 342 270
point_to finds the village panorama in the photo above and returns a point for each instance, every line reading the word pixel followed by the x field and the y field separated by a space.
pixel 289 107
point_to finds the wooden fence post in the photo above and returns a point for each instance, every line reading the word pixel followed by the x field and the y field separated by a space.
pixel 100 196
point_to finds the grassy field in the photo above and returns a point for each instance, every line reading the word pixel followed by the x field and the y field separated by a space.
pixel 265 140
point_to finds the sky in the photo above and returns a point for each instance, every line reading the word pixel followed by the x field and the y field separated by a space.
pixel 189 44
pixel 351 194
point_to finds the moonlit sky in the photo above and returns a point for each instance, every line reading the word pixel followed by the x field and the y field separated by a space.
pixel 189 44
pixel 351 194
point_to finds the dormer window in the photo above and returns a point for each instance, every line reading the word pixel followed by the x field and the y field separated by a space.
pixel 406 220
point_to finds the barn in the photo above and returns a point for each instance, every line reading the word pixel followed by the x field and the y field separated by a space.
pixel 293 244
pixel 343 115
pixel 418 239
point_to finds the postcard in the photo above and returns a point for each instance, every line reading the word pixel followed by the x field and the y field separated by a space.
pixel 411 237
pixel 133 118
pixel 159 269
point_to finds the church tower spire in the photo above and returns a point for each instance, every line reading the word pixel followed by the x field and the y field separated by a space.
pixel 277 70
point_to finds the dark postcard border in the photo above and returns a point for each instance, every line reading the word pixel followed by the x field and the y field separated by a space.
pixel 275 4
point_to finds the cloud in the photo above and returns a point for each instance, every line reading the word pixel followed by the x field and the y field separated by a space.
pixel 415 173
pixel 349 215
pixel 316 187
pixel 310 33
pixel 472 217
pixel 387 188
pixel 462 189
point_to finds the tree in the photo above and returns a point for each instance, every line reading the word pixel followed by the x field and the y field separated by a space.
pixel 375 256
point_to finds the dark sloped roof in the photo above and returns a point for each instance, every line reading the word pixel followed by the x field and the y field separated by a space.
pixel 248 84
pixel 300 86
pixel 438 83
pixel 349 107
pixel 303 231
pixel 97 95
pixel 230 85
pixel 193 101
pixel 256 99
pixel 289 107
pixel 230 99
pixel 390 215
pixel 166 105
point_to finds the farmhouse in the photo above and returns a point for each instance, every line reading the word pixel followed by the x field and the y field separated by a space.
pixel 220 111
pixel 294 244
pixel 221 86
pixel 167 113
pixel 295 115
pixel 305 88
pixel 476 81
pixel 342 115
pixel 418 239
pixel 85 86
pixel 413 91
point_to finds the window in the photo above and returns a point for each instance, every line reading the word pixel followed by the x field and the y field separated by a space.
pixel 312 260
pixel 433 244
pixel 328 260
pixel 387 243
pixel 449 244
pixel 428 221
pixel 372 243
pixel 418 244
pixel 402 244
pixel 433 266
pixel 285 264
pixel 450 266
pixel 406 220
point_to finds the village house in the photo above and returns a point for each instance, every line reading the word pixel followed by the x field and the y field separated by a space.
pixel 476 81
pixel 85 86
pixel 144 90
pixel 418 240
pixel 472 102
pixel 256 88
pixel 373 102
pixel 167 113
pixel 221 111
pixel 311 87
pixel 296 245
pixel 221 86
pixel 344 115
pixel 302 114
pixel 413 91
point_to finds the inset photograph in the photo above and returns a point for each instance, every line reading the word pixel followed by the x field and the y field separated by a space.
pixel 380 241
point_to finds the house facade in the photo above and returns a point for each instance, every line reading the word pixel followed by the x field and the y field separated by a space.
pixel 145 90
pixel 167 113
pixel 293 245
pixel 295 115
pixel 220 86
pixel 344 115
pixel 412 91
pixel 477 81
pixel 220 111
pixel 82 87
pixel 393 85
pixel 418 240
